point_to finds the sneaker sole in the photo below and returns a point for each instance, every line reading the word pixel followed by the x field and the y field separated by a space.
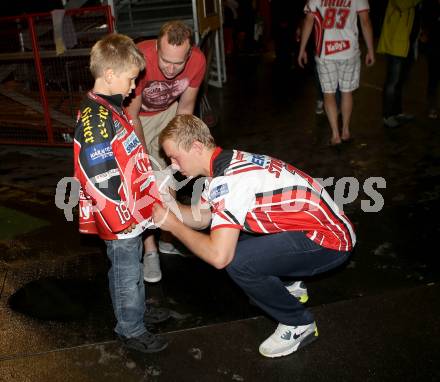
pixel 144 350
pixel 313 336
pixel 152 280
pixel 167 252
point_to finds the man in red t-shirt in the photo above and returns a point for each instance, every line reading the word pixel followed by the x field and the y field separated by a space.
pixel 169 86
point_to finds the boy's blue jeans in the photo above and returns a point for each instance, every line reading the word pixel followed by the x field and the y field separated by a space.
pixel 126 283
pixel 260 261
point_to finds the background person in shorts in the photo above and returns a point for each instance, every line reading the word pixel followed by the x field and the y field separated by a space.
pixel 169 85
pixel 337 54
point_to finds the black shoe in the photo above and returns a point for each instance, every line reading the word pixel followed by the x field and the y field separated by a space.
pixel 156 315
pixel 145 343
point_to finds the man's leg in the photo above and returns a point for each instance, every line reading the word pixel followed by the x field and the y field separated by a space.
pixel 260 261
pixel 331 109
pixel 348 75
pixel 152 127
pixel 328 77
pixel 392 92
pixel 256 268
pixel 346 110
pixel 433 56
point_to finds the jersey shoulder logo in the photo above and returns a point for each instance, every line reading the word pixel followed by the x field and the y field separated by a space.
pixel 218 191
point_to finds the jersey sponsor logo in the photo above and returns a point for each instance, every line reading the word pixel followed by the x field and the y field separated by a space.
pixel 275 167
pixel 103 114
pixel 259 160
pixel 85 117
pixel 131 143
pixel 332 47
pixel 218 191
pixel 99 153
pixel 106 175
pixel 120 130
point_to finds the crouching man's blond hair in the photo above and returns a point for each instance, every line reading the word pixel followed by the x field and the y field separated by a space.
pixel 184 130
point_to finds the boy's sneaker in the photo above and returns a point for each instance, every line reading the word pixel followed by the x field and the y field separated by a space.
pixel 171 249
pixel 145 343
pixel 156 315
pixel 287 339
pixel 152 272
pixel 298 290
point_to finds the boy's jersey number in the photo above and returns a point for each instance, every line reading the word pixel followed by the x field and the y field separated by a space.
pixel 123 213
pixel 335 17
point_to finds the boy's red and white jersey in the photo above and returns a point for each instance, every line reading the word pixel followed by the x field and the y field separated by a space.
pixel 117 182
pixel 263 195
pixel 336 30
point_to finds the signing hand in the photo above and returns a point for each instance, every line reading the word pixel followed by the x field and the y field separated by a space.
pixel 163 217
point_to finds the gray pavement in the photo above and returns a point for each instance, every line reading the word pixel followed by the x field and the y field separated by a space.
pixel 377 316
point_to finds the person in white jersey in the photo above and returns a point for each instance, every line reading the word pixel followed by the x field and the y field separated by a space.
pixel 267 220
pixel 337 54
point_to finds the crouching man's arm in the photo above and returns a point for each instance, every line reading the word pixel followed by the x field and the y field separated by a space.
pixel 216 248
pixel 195 216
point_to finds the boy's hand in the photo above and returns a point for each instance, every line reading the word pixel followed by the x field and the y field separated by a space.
pixel 129 228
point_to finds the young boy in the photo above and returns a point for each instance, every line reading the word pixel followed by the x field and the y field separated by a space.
pixel 337 54
pixel 117 186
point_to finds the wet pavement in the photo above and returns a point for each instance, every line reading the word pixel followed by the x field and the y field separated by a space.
pixel 377 316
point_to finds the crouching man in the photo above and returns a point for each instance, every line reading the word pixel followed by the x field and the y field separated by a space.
pixel 268 219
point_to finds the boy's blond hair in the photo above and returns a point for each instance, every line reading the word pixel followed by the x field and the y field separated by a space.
pixel 184 130
pixel 177 32
pixel 117 52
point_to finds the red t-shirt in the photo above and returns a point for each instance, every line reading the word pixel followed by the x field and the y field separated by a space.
pixel 158 92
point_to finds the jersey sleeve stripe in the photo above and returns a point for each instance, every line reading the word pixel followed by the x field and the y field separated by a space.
pixel 226 226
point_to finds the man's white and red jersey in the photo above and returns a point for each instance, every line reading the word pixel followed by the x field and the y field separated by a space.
pixel 336 30
pixel 263 195
pixel 117 181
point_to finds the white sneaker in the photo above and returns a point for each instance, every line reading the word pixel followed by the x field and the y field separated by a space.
pixel 171 249
pixel 152 272
pixel 287 339
pixel 319 107
pixel 298 290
